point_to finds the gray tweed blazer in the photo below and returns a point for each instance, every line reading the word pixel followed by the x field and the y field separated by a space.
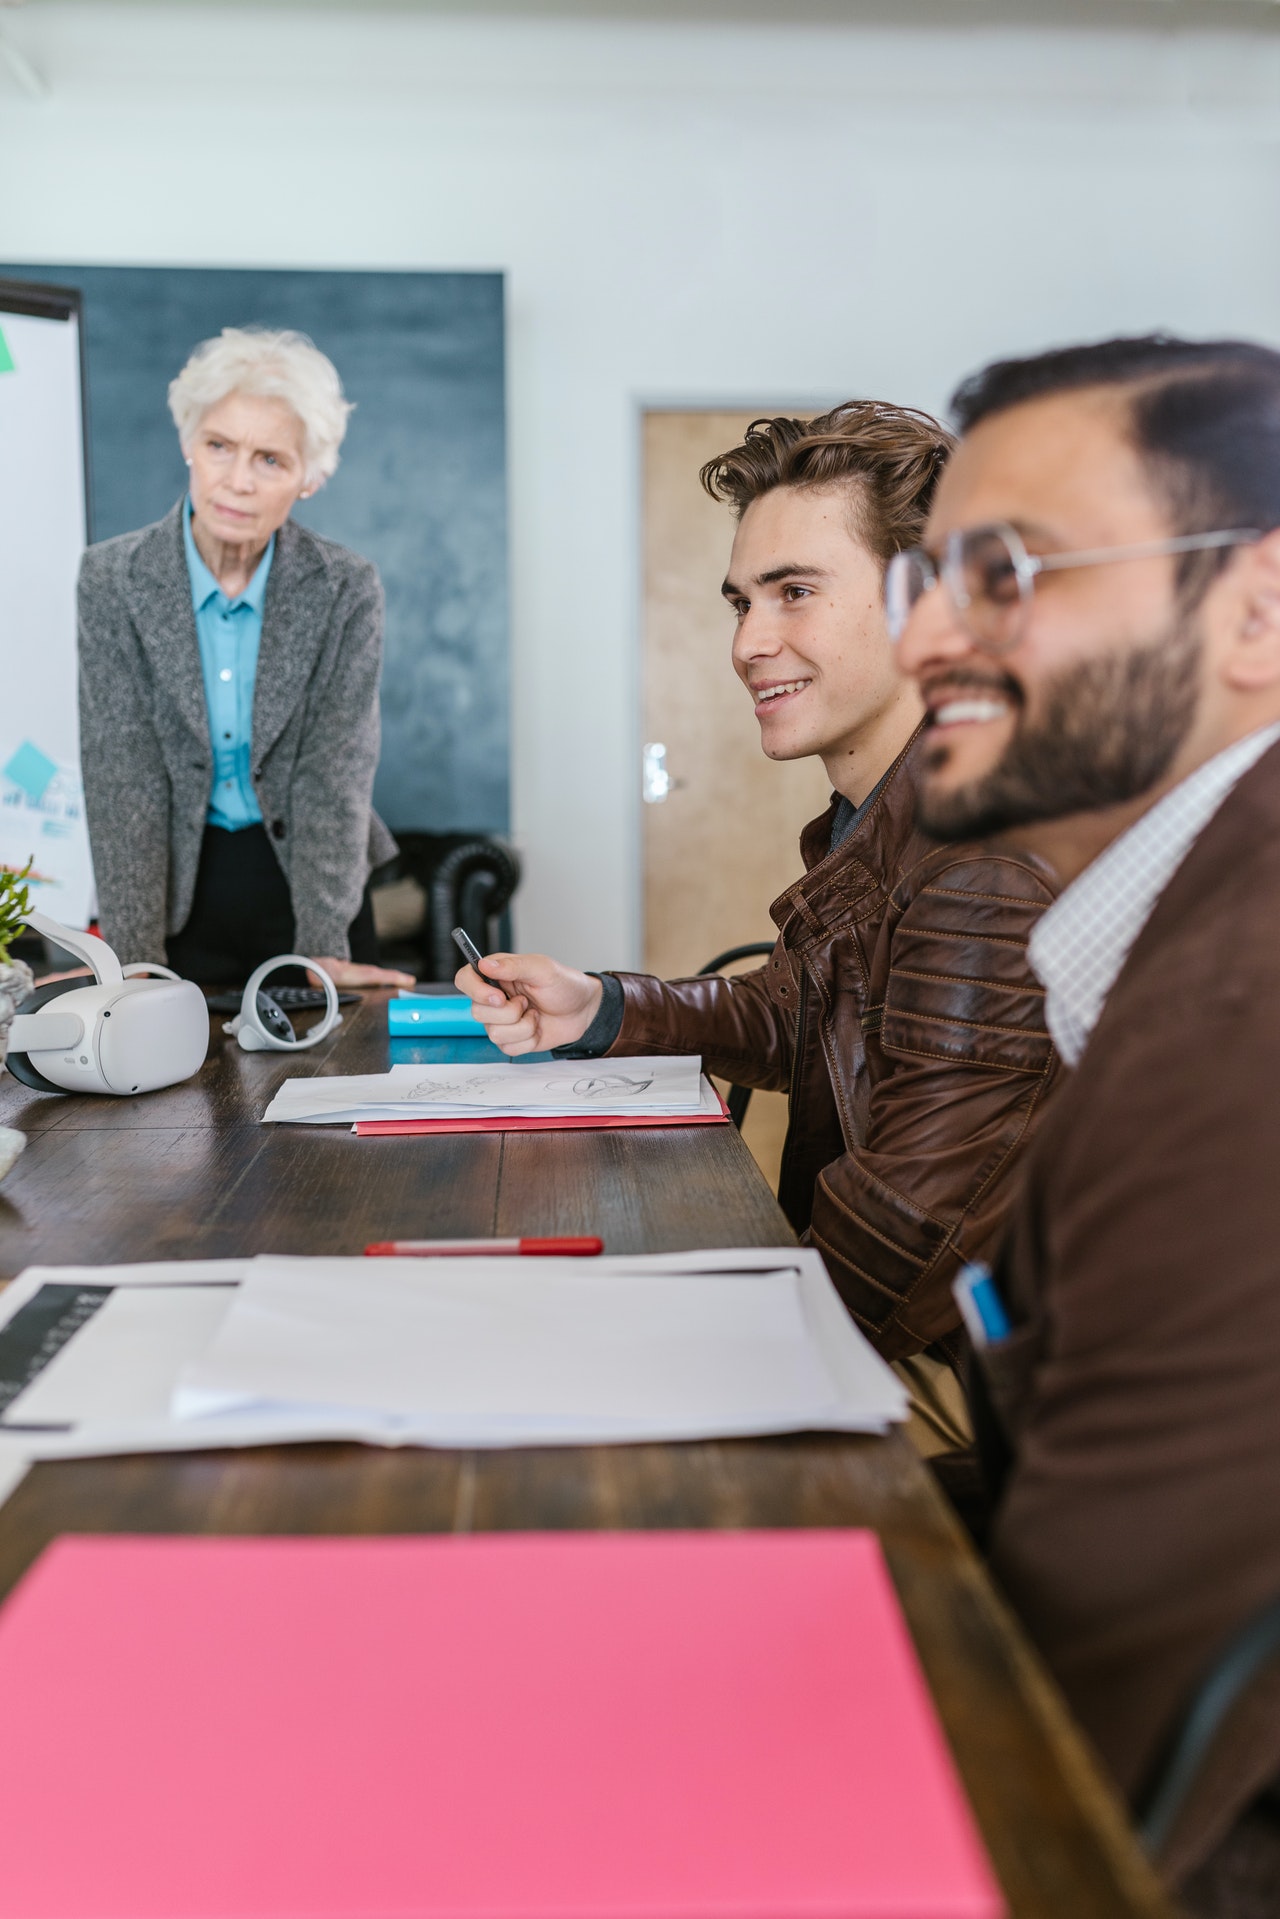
pixel 144 733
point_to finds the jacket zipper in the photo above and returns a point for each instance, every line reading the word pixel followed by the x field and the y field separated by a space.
pixel 788 1150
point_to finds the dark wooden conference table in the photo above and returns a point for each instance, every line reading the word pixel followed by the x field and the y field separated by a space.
pixel 190 1173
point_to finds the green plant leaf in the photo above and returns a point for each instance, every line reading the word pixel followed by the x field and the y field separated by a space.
pixel 15 906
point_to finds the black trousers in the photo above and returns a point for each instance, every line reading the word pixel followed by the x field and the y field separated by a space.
pixel 242 913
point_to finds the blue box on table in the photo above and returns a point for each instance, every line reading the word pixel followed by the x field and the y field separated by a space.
pixel 442 1014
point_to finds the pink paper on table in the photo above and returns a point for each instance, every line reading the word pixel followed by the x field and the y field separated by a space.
pixel 572 1726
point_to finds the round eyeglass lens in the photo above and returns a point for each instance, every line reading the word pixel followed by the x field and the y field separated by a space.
pixel 908 575
pixel 989 584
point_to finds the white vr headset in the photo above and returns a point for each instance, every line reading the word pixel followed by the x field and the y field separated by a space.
pixel 130 1033
pixel 126 1033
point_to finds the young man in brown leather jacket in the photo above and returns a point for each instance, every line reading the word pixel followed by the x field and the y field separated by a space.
pixel 1095 625
pixel 897 1009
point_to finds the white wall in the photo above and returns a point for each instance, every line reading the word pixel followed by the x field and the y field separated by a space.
pixel 686 214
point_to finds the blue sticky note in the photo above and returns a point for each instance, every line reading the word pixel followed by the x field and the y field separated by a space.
pixel 31 770
pixel 456 1052
pixel 407 1017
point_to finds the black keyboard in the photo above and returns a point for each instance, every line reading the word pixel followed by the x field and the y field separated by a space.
pixel 300 999
pixel 291 999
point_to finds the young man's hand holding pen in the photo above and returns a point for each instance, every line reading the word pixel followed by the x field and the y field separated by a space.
pixel 528 1003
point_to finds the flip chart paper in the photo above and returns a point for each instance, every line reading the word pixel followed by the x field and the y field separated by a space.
pixel 577 1088
pixel 42 511
pixel 32 770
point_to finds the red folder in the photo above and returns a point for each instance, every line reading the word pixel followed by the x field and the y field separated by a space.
pixel 556 1726
pixel 592 1122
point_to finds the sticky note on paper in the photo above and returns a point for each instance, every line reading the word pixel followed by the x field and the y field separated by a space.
pixel 6 358
pixel 32 770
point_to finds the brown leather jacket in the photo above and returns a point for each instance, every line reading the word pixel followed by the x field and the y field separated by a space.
pixel 899 1012
pixel 1140 1387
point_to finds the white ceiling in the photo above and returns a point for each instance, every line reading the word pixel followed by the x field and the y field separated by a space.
pixel 1245 14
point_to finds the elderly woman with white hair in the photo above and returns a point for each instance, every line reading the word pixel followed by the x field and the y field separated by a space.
pixel 229 666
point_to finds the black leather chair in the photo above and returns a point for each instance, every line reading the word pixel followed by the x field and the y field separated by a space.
pixel 469 880
pixel 1227 1739
pixel 739 1096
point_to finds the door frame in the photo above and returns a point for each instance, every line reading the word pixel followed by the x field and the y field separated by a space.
pixel 642 403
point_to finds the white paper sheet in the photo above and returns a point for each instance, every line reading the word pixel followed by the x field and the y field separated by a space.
pixel 709 1102
pixel 863 1395
pixel 14 1467
pixel 512 1342
pixel 122 1363
pixel 557 1089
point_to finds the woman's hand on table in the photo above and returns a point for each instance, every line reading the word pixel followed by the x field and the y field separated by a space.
pixel 349 973
pixel 553 1005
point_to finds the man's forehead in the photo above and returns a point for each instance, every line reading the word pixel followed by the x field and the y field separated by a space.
pixel 1065 466
pixel 788 518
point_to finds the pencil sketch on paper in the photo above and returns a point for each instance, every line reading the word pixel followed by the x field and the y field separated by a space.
pixel 604 1086
pixel 454 1091
pixel 592 1086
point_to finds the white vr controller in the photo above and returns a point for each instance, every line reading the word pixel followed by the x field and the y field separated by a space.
pixel 262 1026
pixel 127 1033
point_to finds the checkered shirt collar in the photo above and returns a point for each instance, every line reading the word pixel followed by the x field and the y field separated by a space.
pixel 1083 940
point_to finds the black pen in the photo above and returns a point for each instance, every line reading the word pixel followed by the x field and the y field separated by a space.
pixel 471 952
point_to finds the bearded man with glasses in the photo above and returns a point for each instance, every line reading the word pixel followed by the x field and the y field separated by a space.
pixel 1093 619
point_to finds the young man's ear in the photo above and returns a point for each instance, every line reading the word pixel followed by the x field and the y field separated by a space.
pixel 1253 658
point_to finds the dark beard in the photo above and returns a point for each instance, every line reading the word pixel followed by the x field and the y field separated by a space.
pixel 1109 730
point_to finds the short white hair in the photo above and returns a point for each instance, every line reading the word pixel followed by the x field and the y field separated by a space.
pixel 273 366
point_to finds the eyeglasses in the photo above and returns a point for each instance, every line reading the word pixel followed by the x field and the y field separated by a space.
pixel 990 577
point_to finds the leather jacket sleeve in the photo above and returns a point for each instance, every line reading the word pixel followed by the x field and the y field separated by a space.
pixel 739 1028
pixel 960 1071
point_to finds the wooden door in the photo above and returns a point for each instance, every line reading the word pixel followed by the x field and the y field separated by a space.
pixel 723 842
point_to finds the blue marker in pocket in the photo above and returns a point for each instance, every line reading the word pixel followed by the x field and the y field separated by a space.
pixel 981 1307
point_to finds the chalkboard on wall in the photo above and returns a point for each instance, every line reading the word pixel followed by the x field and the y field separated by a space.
pixel 421 490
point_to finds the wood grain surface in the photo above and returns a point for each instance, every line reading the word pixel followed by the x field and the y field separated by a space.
pixel 191 1173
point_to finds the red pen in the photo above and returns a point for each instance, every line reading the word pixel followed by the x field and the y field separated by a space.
pixel 569 1248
